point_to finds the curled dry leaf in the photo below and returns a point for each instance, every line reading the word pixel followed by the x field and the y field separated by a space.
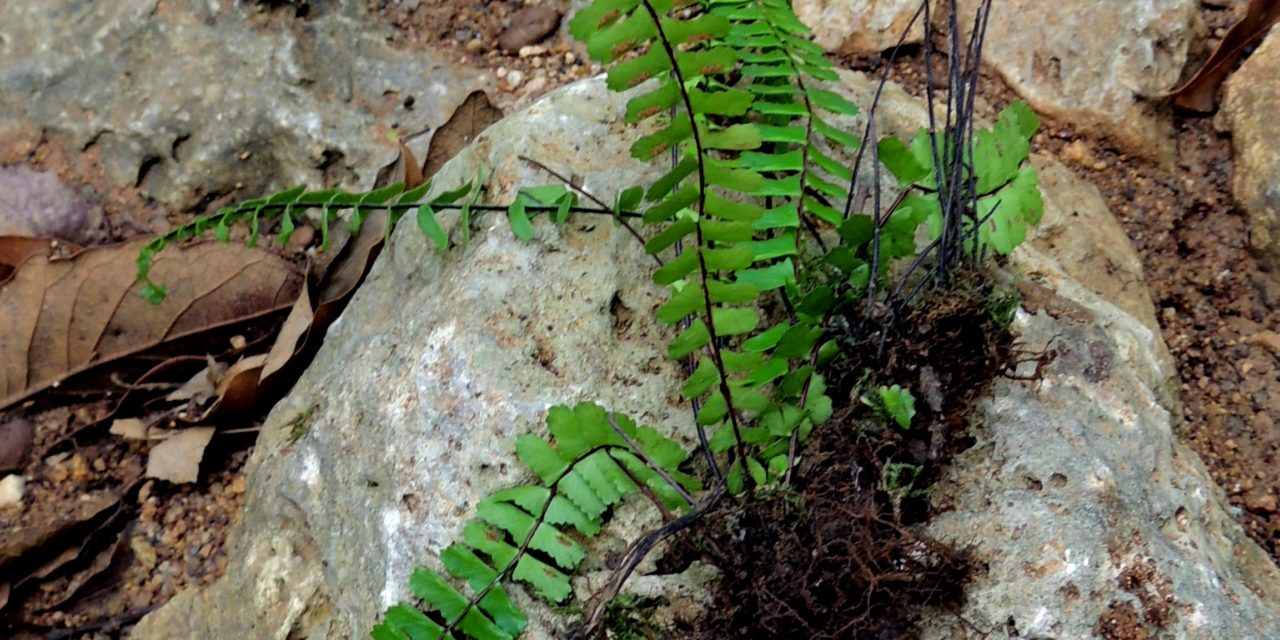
pixel 63 317
pixel 201 387
pixel 292 334
pixel 15 250
pixel 177 459
pixel 412 168
pixel 101 560
pixel 36 552
pixel 129 429
pixel 473 116
pixel 1200 93
pixel 305 323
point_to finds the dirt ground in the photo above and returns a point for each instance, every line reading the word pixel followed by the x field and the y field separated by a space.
pixel 1217 308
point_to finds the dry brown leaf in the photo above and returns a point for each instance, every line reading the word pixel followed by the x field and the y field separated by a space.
pixel 26 543
pixel 405 169
pixel 15 250
pixel 238 390
pixel 345 274
pixel 292 334
pixel 60 318
pixel 202 386
pixel 1200 93
pixel 177 459
pixel 412 168
pixel 473 116
pixel 129 428
pixel 101 560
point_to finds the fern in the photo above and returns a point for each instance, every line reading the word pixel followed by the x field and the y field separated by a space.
pixel 1008 198
pixel 283 210
pixel 752 198
pixel 594 460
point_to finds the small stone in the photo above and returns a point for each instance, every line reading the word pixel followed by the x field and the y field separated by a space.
pixel 1077 153
pixel 515 78
pixel 1268 339
pixel 537 86
pixel 80 469
pixel 144 551
pixel 16 438
pixel 37 204
pixel 528 26
pixel 1260 502
pixel 12 489
pixel 57 465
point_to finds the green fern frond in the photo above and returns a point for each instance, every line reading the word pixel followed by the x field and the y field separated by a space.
pixel 532 533
pixel 1008 196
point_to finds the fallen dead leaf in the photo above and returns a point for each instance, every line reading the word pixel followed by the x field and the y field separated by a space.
pixel 412 168
pixel 345 274
pixel 177 459
pixel 101 560
pixel 1200 93
pixel 37 547
pixel 292 334
pixel 60 318
pixel 238 390
pixel 15 250
pixel 129 428
pixel 473 116
pixel 202 386
pixel 405 169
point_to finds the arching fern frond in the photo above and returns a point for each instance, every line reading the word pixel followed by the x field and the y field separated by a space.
pixel 532 533
pixel 1007 196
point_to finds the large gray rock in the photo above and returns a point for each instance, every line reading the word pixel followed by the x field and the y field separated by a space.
pixel 1076 485
pixel 860 26
pixel 1090 517
pixel 1252 102
pixel 191 99
pixel 1095 64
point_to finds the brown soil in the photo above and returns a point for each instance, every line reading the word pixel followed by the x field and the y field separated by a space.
pixel 470 31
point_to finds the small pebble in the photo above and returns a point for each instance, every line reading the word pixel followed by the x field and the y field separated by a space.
pixel 532 50
pixel 529 26
pixel 12 489
pixel 16 438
